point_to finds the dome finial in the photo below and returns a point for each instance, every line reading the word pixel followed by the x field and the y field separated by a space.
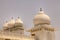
pixel 40 9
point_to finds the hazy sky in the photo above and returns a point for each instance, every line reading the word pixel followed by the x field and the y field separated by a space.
pixel 27 9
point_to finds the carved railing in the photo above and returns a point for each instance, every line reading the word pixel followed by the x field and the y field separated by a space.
pixel 11 35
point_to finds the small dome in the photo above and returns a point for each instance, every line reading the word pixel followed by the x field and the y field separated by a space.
pixel 41 18
pixel 11 22
pixel 18 22
pixel 5 25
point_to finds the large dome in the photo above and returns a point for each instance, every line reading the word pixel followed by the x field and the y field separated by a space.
pixel 41 18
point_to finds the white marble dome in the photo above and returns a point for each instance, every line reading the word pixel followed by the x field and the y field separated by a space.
pixel 18 22
pixel 11 22
pixel 5 25
pixel 41 18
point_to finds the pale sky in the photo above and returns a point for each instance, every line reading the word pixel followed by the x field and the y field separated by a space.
pixel 27 9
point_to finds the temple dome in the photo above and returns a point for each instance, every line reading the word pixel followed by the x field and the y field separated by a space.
pixel 41 18
pixel 18 22
pixel 5 25
pixel 11 22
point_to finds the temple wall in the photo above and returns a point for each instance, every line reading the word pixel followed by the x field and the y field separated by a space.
pixel 41 35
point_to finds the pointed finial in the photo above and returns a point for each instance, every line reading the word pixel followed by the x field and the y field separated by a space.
pixel 40 9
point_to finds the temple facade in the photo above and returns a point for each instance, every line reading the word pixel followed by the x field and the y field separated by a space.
pixel 42 30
